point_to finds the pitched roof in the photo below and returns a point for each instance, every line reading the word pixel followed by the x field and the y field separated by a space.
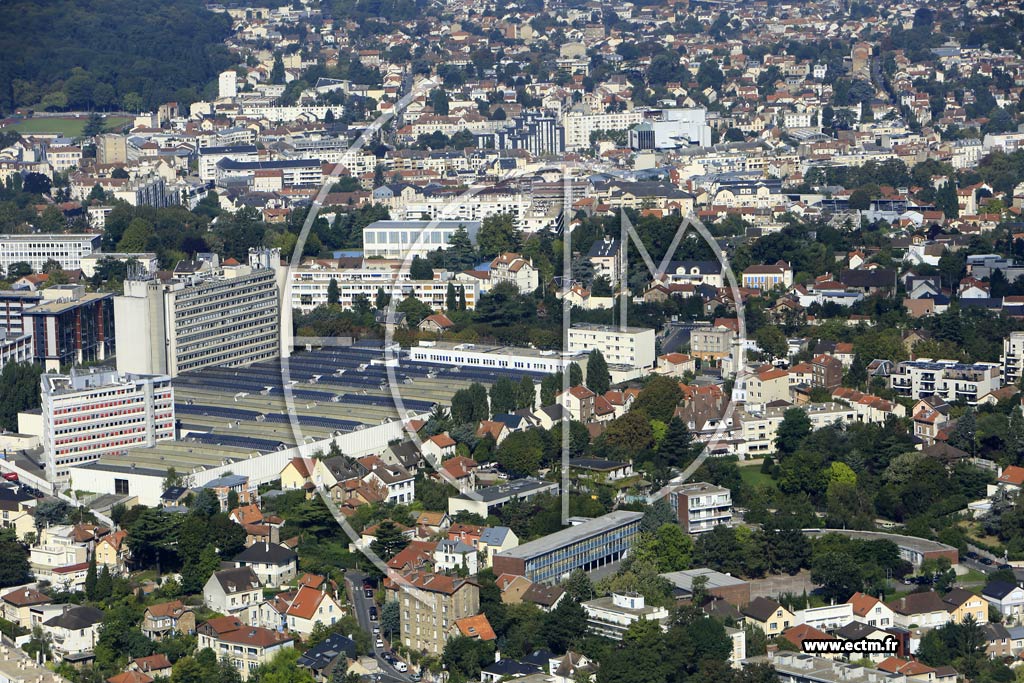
pixel 1012 475
pixel 476 627
pixel 267 553
pixel 24 597
pixel 152 663
pixel 862 603
pixel 760 608
pixel 164 610
pixel 918 603
pixel 998 589
pixel 131 677
pixel 237 580
pixel 306 602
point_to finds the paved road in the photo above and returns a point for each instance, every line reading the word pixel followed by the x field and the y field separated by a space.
pixel 361 603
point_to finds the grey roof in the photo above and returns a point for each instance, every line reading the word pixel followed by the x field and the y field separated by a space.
pixel 684 579
pixel 237 580
pixel 998 589
pixel 599 464
pixel 604 248
pixel 573 534
pixel 76 618
pixel 510 489
pixel 494 535
pixel 266 553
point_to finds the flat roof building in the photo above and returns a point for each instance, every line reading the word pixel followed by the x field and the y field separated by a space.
pixel 632 347
pixel 484 501
pixel 36 250
pixel 71 327
pixel 405 239
pixel 595 543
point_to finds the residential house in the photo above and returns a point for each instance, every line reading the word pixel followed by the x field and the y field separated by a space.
pixel 920 610
pixel 246 647
pixel 297 473
pixel 112 552
pixel 437 323
pixel 871 611
pixel 74 631
pixel 963 603
pixel 572 667
pixel 438 447
pixel 399 482
pixel 764 278
pixel 1006 597
pixel 429 613
pixel 498 431
pixel 230 591
pixel 456 556
pixel 676 364
pixel 579 401
pixel 612 616
pixel 857 631
pixel 168 618
pixel 476 627
pixel 321 659
pixel 18 604
pixel 827 371
pixel 998 642
pixel 154 665
pixel 311 606
pixel 433 522
pixel 273 564
pixel 16 508
pixel 515 269
pixel 768 615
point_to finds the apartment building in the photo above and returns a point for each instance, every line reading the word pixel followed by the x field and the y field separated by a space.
pixel 632 347
pixel 579 126
pixel 209 157
pixel 226 315
pixel 712 343
pixel 405 239
pixel 515 270
pixel 947 379
pixel 70 326
pixel 768 277
pixel 309 286
pixel 612 616
pixel 701 507
pixel 15 349
pixel 63 158
pixel 246 647
pixel 36 250
pixel 594 543
pixel 88 414
pixel 755 427
pixel 1013 358
pixel 430 605
pixel 608 258
pixel 294 172
pixel 13 305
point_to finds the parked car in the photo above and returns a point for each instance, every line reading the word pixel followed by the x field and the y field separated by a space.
pixel 373 613
pixel 10 476
pixel 379 644
pixel 376 630
pixel 401 666
pixel 987 561
pixel 368 592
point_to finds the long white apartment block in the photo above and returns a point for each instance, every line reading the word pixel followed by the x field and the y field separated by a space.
pixel 89 414
pixel 632 347
pixel 36 250
pixel 309 288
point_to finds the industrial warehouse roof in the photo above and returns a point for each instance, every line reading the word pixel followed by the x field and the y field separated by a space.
pixel 229 415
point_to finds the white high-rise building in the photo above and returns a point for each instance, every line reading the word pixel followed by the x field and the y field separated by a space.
pixel 632 347
pixel 224 314
pixel 91 413
pixel 227 85
pixel 1013 358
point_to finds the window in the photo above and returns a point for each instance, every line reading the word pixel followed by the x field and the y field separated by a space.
pixel 121 487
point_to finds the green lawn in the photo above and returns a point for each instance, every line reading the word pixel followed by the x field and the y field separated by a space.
pixel 69 127
pixel 752 476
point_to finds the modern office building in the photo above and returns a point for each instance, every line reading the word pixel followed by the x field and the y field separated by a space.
pixel 405 239
pixel 70 326
pixel 15 348
pixel 228 315
pixel 592 544
pixel 672 129
pixel 294 172
pixel 13 305
pixel 632 347
pixel 700 507
pixel 948 379
pixel 538 134
pixel 36 250
pixel 89 414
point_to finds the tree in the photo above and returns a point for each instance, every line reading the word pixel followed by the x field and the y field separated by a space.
pixel 414 309
pixel 497 234
pixel 946 200
pixel 772 342
pixel 564 625
pixel 676 448
pixel 389 540
pixel 598 378
pixel 632 431
pixel 333 295
pixel 390 617
pixel 578 586
pixel 965 434
pixel 277 74
pixel 90 578
pixel 504 397
pixel 526 393
pixel 451 299
pixel 794 427
pixel 135 237
pixel 464 657
pixel 439 101
pixel 14 570
pixel 575 374
pixel 860 199
pixel 521 453
pixel 19 387
pixel 656 515
pixel 837 574
pixel 420 269
pixel 659 398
